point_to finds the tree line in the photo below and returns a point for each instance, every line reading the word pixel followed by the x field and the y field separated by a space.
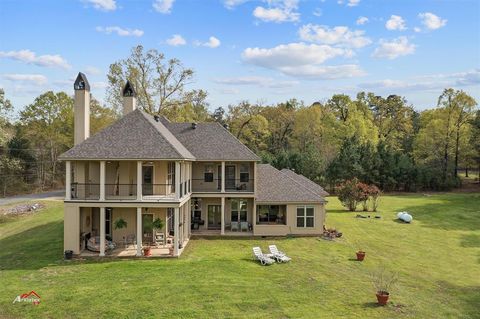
pixel 381 140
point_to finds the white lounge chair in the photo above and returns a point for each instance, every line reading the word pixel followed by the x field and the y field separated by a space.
pixel 243 226
pixel 263 259
pixel 278 255
pixel 234 226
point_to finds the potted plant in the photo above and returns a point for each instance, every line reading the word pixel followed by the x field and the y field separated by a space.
pixel 360 255
pixel 150 226
pixel 120 223
pixel 383 281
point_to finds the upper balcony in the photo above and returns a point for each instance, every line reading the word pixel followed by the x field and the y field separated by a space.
pixel 117 180
pixel 223 177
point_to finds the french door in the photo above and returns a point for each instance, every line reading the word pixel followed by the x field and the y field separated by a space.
pixel 214 216
pixel 230 177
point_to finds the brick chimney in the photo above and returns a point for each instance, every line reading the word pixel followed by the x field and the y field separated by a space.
pixel 81 109
pixel 129 98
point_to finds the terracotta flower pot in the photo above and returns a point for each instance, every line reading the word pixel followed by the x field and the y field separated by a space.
pixel 147 251
pixel 382 297
pixel 360 255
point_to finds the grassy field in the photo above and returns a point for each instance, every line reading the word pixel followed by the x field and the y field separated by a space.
pixel 437 259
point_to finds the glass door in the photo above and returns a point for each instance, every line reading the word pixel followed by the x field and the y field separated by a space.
pixel 214 216
pixel 147 180
pixel 147 220
pixel 230 177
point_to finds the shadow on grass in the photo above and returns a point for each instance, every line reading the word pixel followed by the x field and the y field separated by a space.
pixel 469 296
pixel 470 241
pixel 453 212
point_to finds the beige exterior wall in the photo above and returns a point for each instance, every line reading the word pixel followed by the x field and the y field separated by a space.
pixel 291 226
pixel 71 226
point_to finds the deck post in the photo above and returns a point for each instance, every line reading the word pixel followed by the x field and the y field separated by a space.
pixel 176 230
pixel 139 231
pixel 68 180
pixel 139 180
pixel 102 180
pixel 254 217
pixel 102 231
pixel 223 177
pixel 222 218
pixel 177 181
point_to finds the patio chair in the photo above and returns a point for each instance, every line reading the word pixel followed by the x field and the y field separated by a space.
pixel 130 240
pixel 265 260
pixel 278 255
pixel 159 239
pixel 234 226
pixel 244 226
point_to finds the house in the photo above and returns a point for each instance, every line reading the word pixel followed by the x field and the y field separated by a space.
pixel 196 177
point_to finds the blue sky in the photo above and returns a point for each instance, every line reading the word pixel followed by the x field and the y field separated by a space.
pixel 262 51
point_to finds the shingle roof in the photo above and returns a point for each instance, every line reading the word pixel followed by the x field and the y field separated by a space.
pixel 135 136
pixel 210 141
pixel 274 186
pixel 305 182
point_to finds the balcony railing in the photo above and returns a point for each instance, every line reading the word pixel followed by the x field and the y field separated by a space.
pixel 120 191
pixel 85 191
pixel 158 189
pixel 215 185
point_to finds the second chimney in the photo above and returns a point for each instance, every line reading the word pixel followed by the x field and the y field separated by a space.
pixel 129 98
pixel 81 109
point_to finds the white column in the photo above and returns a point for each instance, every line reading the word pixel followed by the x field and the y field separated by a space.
pixel 177 180
pixel 139 180
pixel 222 232
pixel 102 180
pixel 254 177
pixel 139 231
pixel 223 177
pixel 68 180
pixel 102 231
pixel 176 230
pixel 254 217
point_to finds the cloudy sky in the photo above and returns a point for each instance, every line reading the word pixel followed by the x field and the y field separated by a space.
pixel 263 51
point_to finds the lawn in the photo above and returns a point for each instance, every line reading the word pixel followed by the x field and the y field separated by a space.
pixel 437 258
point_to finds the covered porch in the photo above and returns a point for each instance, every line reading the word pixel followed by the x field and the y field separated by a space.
pixel 127 231
pixel 229 216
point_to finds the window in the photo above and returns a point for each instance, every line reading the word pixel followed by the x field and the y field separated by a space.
pixel 171 176
pixel 108 222
pixel 239 210
pixel 244 173
pixel 271 214
pixel 305 216
pixel 208 175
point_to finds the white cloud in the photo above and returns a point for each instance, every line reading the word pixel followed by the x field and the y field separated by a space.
pixel 230 4
pixel 99 85
pixel 105 5
pixel 92 70
pixel 256 81
pixel 428 82
pixel 340 35
pixel 302 60
pixel 362 20
pixel 163 6
pixel 30 57
pixel 417 29
pixel 350 3
pixel 176 40
pixel 431 21
pixel 395 23
pixel 394 48
pixel 212 42
pixel 229 91
pixel 120 31
pixel 278 11
pixel 36 79
pixel 353 3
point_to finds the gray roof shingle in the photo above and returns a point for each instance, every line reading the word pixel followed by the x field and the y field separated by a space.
pixel 274 186
pixel 305 182
pixel 210 141
pixel 135 136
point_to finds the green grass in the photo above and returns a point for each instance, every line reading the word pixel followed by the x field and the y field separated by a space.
pixel 437 258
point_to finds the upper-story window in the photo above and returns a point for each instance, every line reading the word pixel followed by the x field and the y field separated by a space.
pixel 208 174
pixel 171 176
pixel 244 173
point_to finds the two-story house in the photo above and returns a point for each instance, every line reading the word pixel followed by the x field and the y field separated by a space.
pixel 196 177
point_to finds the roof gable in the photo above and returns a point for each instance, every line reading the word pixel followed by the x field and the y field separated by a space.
pixel 135 136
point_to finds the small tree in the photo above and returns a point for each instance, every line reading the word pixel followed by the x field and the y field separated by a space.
pixel 364 195
pixel 374 193
pixel 350 194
